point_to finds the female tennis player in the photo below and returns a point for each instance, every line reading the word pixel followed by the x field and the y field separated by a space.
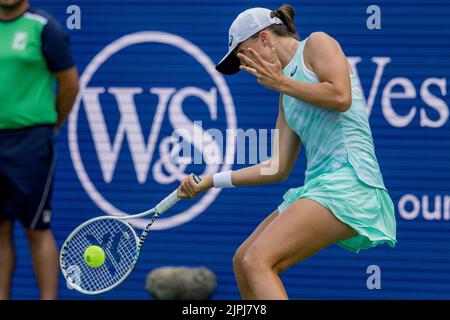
pixel 343 199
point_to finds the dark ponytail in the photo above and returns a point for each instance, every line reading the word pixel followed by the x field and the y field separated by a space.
pixel 286 14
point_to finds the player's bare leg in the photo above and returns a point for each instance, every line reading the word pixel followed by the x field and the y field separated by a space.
pixel 241 251
pixel 7 258
pixel 303 229
pixel 44 253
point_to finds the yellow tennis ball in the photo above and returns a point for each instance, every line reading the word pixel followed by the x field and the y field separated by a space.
pixel 94 256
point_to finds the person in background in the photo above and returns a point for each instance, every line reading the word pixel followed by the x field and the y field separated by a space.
pixel 34 57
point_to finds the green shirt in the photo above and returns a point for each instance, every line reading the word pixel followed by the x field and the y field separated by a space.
pixel 32 47
pixel 331 139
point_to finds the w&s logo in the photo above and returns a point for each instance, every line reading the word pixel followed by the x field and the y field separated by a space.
pixel 134 94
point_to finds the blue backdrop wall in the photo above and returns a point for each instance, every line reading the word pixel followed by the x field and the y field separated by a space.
pixel 403 68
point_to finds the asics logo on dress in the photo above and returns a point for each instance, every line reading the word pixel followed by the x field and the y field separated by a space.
pixel 294 71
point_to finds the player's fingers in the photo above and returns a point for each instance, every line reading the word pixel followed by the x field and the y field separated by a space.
pixel 253 71
pixel 198 184
pixel 247 60
pixel 256 57
pixel 186 188
pixel 275 56
pixel 181 194
pixel 185 192
pixel 192 184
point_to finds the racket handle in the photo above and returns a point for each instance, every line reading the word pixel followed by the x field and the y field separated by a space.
pixel 171 199
pixel 167 202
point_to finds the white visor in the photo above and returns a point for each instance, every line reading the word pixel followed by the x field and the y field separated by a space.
pixel 246 24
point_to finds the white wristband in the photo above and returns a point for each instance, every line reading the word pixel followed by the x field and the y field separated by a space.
pixel 222 179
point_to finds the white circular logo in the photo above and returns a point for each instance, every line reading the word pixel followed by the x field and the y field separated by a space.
pixel 108 155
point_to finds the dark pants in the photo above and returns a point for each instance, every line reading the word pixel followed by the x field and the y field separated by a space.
pixel 26 175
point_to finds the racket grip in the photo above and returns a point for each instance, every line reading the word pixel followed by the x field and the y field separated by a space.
pixel 167 202
pixel 171 199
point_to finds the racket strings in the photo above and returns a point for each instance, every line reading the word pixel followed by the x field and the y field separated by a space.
pixel 118 241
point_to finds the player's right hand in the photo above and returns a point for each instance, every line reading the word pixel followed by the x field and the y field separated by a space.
pixel 190 189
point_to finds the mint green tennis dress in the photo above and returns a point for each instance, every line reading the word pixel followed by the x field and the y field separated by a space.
pixel 342 170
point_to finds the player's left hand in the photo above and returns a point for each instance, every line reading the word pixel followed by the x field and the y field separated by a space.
pixel 268 74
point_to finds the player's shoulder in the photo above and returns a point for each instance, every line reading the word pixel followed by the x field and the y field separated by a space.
pixel 316 41
pixel 43 17
pixel 318 38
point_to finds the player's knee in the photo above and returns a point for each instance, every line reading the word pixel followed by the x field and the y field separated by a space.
pixel 237 258
pixel 254 261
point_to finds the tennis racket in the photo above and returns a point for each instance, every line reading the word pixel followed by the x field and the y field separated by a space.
pixel 119 242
